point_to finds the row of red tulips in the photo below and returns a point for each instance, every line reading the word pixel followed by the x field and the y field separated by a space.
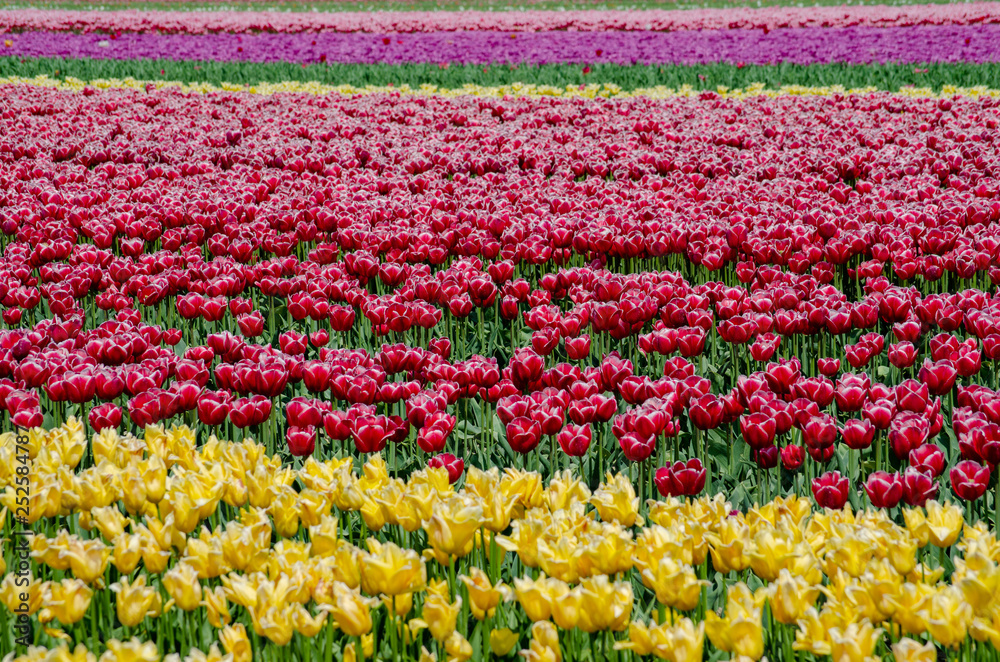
pixel 470 279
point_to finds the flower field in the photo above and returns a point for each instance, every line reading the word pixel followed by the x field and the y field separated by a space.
pixel 367 364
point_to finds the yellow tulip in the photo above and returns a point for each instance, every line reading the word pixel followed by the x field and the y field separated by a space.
pixel 675 584
pixel 912 604
pixel 605 605
pixel 567 605
pixel 350 610
pixel 741 630
pixel 132 650
pixel 916 524
pixel 453 525
pixel 440 616
pixel 908 650
pixel 945 523
pixel 458 648
pixel 398 605
pixel 484 596
pixel 729 545
pixel 235 641
pixel 217 607
pixel 790 597
pixel 274 622
pixel 11 593
pixel 388 570
pixel 127 553
pixel 856 642
pixel 135 601
pixel 181 583
pixel 948 617
pixel 305 623
pixel 615 501
pixel 640 640
pixel 66 601
pixel 813 634
pixel 109 521
pixel 502 641
pixel 524 486
pixel 535 597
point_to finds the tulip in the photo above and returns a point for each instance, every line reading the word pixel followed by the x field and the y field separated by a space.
pixel 828 367
pixel 884 489
pixel 902 355
pixel 301 440
pixel 767 457
pixel 758 430
pixel 858 434
pixel 523 434
pixel 575 439
pixel 792 457
pixel 831 490
pixel 578 348
pixel 820 432
pixel 636 447
pixel 106 415
pixel 681 478
pixel 706 412
pixel 969 480
pixel 939 376
pixel 918 487
pixel 928 459
pixel 453 465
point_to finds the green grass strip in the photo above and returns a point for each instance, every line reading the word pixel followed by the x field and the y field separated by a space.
pixel 882 76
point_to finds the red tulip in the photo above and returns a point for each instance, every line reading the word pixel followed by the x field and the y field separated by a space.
pixel 939 376
pixel 453 465
pixel 523 434
pixel 577 348
pixel 928 459
pixel 828 367
pixel 213 408
pixel 918 487
pixel 574 439
pixel 831 490
pixel 884 489
pixel 858 434
pixel 969 480
pixel 681 478
pixel 767 457
pixel 792 457
pixel 301 440
pixel 636 447
pixel 902 355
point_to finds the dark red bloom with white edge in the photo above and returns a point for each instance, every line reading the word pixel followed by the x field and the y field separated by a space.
pixel 523 434
pixel 455 466
pixel 918 487
pixel 820 432
pixel 578 348
pixel 304 412
pixel 828 367
pixel 831 490
pixel 758 430
pixel 928 459
pixel 939 376
pixel 574 440
pixel 706 412
pixel 884 489
pixel 106 415
pixel 858 434
pixel 792 457
pixel 969 480
pixel 902 354
pixel 301 440
pixel 681 478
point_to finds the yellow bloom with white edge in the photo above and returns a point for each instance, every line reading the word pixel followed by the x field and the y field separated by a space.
pixel 235 641
pixel 11 593
pixel 741 630
pixel 483 595
pixel 681 642
pixel 386 569
pixel 676 585
pixel 350 610
pixel 948 617
pixel 616 501
pixel 502 641
pixel 453 525
pixel 790 597
pixel 729 544
pixel 132 650
pixel 535 596
pixel 813 634
pixel 544 644
pixel 605 605
pixel 908 650
pixel 66 601
pixel 135 601
pixel 854 644
pixel 944 522
pixel 181 582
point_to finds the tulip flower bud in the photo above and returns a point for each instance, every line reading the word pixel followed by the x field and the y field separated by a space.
pixel 831 490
